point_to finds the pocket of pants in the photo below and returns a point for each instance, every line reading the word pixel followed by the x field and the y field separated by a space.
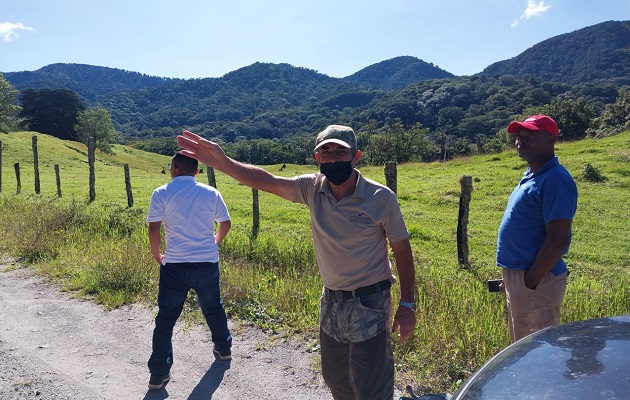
pixel 366 322
pixel 537 319
pixel 371 316
pixel 375 301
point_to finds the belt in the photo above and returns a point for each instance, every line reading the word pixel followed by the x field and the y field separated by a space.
pixel 378 287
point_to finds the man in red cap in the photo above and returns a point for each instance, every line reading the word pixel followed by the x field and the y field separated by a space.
pixel 536 230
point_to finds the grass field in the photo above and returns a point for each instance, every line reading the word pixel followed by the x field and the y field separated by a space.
pixel 101 250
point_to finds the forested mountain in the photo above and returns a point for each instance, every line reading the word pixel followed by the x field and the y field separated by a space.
pixel 597 53
pixel 476 105
pixel 91 83
pixel 259 101
pixel 397 73
pixel 573 74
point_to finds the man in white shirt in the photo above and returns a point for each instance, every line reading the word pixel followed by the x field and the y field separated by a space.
pixel 188 210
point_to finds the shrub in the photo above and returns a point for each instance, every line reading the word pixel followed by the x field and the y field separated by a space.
pixel 592 174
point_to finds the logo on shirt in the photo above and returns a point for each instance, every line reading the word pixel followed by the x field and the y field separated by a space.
pixel 361 218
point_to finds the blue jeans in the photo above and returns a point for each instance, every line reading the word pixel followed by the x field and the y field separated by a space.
pixel 176 279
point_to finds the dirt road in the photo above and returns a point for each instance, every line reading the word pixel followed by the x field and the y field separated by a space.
pixel 56 347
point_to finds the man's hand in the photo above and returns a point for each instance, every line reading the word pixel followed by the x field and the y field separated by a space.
pixel 531 281
pixel 552 249
pixel 155 240
pixel 405 322
pixel 212 155
pixel 159 258
pixel 205 151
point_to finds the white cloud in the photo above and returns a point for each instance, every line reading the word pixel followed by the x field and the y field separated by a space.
pixel 533 9
pixel 8 30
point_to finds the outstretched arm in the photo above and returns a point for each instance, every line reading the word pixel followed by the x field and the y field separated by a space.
pixel 212 155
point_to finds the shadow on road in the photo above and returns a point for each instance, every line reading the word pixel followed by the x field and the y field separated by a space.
pixel 204 390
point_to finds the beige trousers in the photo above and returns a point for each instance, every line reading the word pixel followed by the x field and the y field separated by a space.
pixel 532 310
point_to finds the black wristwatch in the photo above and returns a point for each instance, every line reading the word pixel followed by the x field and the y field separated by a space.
pixel 411 306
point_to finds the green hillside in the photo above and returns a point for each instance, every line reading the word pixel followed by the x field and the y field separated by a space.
pixel 74 171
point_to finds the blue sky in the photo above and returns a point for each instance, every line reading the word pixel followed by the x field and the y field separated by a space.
pixel 209 38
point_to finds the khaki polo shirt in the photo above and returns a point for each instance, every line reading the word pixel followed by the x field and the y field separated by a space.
pixel 351 235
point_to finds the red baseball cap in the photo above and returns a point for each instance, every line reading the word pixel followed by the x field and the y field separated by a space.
pixel 535 123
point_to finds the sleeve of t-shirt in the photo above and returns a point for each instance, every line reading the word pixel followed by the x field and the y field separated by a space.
pixel 156 208
pixel 303 185
pixel 221 211
pixel 559 200
pixel 393 223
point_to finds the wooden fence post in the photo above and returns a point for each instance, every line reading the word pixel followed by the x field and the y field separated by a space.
pixel 58 180
pixel 212 180
pixel 462 222
pixel 17 177
pixel 255 213
pixel 91 161
pixel 391 175
pixel 35 163
pixel 128 186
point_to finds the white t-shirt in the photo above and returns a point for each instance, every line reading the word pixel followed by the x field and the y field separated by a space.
pixel 188 210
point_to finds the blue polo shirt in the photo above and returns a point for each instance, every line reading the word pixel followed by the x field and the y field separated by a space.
pixel 548 194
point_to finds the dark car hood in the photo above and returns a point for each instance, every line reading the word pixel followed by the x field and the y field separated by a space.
pixel 587 359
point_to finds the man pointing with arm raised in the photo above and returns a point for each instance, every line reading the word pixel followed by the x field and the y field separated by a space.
pixel 353 219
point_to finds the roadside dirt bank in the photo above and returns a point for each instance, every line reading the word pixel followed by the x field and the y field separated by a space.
pixel 55 347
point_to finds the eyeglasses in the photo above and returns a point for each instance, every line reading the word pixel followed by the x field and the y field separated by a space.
pixel 169 166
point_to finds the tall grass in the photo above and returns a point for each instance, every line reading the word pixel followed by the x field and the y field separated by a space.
pixel 101 250
pixel 80 246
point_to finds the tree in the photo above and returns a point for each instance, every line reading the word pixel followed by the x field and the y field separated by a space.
pixel 573 116
pixel 395 143
pixel 51 111
pixel 615 118
pixel 97 123
pixel 8 109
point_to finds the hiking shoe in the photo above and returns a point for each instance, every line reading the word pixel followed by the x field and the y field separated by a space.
pixel 158 381
pixel 225 355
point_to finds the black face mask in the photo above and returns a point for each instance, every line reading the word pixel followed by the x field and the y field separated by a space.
pixel 337 172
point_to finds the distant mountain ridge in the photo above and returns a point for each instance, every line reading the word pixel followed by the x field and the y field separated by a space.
pixel 90 82
pixel 398 73
pixel 278 101
pixel 595 53
pixel 93 83
pixel 592 54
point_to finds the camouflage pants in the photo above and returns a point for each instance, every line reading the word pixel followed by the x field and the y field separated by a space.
pixel 356 346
